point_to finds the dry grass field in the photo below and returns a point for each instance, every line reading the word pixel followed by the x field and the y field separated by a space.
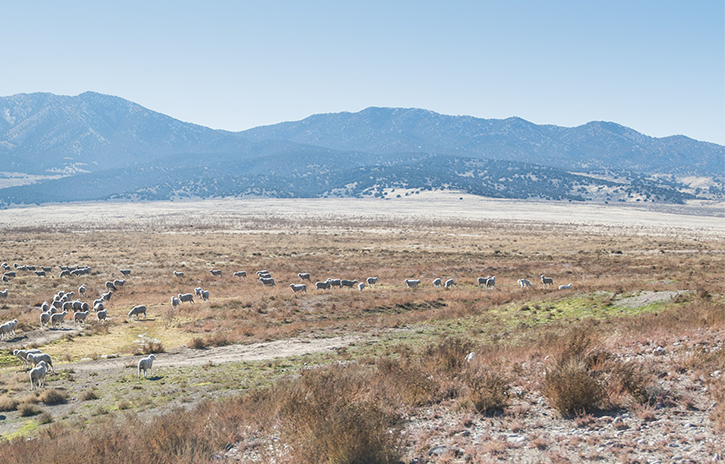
pixel 625 366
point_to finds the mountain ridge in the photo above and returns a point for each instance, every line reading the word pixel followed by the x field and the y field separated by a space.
pixel 110 147
pixel 594 145
pixel 92 129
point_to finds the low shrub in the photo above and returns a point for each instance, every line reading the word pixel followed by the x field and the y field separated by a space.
pixel 31 398
pixel 408 383
pixel 331 416
pixel 571 388
pixel 573 383
pixel 219 339
pixel 154 346
pixel 88 395
pixel 8 404
pixel 447 357
pixel 627 379
pixel 488 389
pixel 27 409
pixel 123 405
pixel 660 397
pixel 96 328
pixel 54 396
pixel 705 359
pixel 148 345
pixel 198 343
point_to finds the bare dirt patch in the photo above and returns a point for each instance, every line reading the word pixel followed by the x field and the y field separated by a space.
pixel 645 298
pixel 37 337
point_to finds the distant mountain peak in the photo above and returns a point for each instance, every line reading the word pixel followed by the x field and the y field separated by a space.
pixel 39 131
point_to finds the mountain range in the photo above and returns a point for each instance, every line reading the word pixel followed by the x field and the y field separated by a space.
pixel 98 147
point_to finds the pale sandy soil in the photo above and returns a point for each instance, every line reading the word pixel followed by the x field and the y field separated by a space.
pixel 646 298
pixel 241 214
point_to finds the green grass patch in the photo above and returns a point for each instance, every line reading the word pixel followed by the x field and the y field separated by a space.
pixel 506 323
pixel 598 305
pixel 28 427
pixel 8 360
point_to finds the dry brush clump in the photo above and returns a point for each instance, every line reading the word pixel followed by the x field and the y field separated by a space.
pixel 53 397
pixel 444 370
pixel 198 343
pixel 447 357
pixel 572 388
pixel 404 380
pixel 148 345
pixel 28 409
pixel 584 378
pixel 332 416
pixel 627 382
pixel 88 395
pixel 8 404
pixel 488 388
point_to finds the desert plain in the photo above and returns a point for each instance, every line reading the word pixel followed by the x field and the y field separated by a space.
pixel 625 365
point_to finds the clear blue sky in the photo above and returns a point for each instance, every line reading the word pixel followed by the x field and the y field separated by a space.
pixel 657 66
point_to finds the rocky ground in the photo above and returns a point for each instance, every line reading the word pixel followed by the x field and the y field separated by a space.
pixel 674 426
pixel 674 429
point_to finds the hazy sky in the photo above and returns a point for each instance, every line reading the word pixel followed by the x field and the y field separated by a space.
pixel 654 65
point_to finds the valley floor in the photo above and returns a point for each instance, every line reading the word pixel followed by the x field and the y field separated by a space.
pixel 427 206
pixel 643 325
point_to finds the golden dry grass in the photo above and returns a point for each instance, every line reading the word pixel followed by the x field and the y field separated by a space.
pixel 245 311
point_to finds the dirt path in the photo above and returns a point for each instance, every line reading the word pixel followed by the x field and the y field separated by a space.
pixel 248 352
pixel 218 355
pixel 37 337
